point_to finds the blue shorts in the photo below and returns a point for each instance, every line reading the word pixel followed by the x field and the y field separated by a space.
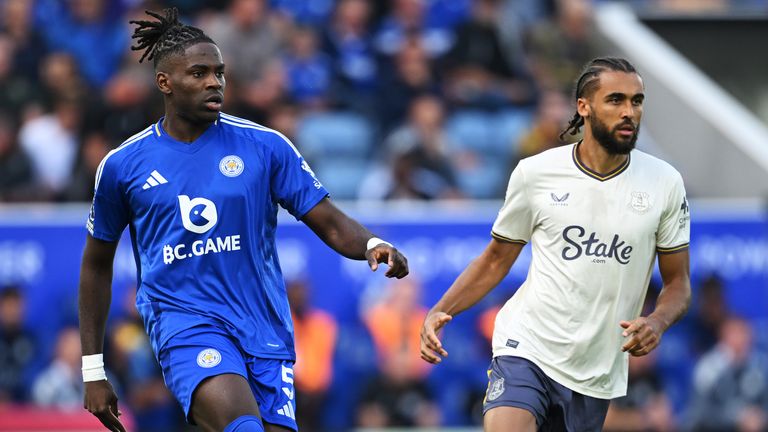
pixel 205 351
pixel 517 382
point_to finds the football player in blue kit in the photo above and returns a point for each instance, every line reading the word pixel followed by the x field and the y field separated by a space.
pixel 199 191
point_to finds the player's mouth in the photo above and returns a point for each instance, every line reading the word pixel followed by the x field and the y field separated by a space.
pixel 214 102
pixel 626 130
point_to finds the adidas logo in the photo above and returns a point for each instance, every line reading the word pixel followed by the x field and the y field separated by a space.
pixel 287 410
pixel 154 179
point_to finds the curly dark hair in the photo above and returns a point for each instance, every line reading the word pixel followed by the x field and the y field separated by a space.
pixel 165 36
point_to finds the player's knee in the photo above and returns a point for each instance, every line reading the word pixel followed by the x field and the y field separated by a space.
pixel 246 423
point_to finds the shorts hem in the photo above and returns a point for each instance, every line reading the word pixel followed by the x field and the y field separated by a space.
pixel 279 422
pixel 514 404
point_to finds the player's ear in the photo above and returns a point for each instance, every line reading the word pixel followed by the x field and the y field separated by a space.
pixel 582 107
pixel 163 82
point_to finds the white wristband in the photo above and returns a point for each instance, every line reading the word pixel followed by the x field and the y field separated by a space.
pixel 93 368
pixel 375 241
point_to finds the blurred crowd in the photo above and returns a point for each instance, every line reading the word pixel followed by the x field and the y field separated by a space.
pixel 401 99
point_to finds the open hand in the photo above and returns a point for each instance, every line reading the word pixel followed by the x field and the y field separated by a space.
pixel 430 343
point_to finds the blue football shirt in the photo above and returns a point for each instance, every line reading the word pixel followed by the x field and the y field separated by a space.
pixel 202 219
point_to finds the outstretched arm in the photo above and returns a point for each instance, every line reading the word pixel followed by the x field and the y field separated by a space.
pixel 94 298
pixel 671 305
pixel 347 237
pixel 480 277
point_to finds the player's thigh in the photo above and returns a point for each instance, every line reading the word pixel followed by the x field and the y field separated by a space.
pixel 506 418
pixel 204 367
pixel 272 385
pixel 219 400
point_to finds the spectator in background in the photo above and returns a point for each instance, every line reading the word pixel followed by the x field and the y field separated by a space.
pixel 17 346
pixel 478 74
pixel 544 134
pixel 60 385
pixel 421 165
pixel 314 13
pixel 51 143
pixel 730 388
pixel 407 17
pixel 396 397
pixel 646 407
pixel 308 70
pixel 126 106
pixel 411 76
pixel 394 322
pixel 348 43
pixel 315 332
pixel 16 90
pixel 710 311
pixel 16 174
pixel 93 149
pixel 251 39
pixel 28 47
pixel 61 80
pixel 560 46
pixel 85 27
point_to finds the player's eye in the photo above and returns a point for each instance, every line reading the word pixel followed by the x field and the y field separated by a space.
pixel 197 74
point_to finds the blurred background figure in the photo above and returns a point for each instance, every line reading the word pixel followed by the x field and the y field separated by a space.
pixel 16 173
pixel 17 347
pixel 478 73
pixel 560 45
pixel 51 141
pixel 347 41
pixel 646 407
pixel 315 333
pixel 709 311
pixel 251 39
pixel 552 113
pixel 395 397
pixel 421 167
pixel 730 387
pixel 82 28
pixel 308 70
pixel 398 393
pixel 60 384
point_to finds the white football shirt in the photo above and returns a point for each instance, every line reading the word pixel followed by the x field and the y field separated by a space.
pixel 594 239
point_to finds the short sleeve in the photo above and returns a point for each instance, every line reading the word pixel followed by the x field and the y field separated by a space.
pixel 675 224
pixel 294 185
pixel 109 215
pixel 514 222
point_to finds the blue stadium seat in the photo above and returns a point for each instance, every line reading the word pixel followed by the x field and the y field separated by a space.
pixel 341 175
pixel 325 135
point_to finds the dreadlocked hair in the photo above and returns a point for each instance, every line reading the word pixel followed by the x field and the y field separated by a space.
pixel 165 36
pixel 587 83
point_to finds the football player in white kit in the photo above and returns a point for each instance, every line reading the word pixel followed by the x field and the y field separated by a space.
pixel 597 213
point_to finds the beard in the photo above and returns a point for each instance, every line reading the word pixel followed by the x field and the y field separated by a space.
pixel 610 140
